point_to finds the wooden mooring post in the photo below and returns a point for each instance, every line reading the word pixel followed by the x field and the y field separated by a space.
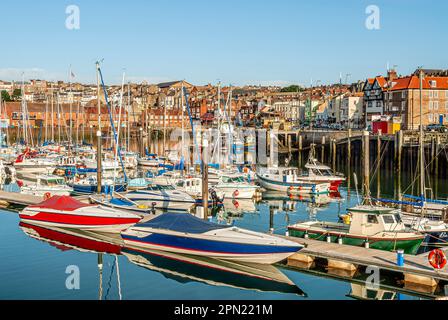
pixel 300 149
pixel 322 158
pixel 366 162
pixel 334 154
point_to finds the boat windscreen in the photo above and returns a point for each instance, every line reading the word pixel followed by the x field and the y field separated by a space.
pixel 181 222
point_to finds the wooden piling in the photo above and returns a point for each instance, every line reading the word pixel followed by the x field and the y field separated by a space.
pixel 323 150
pixel 334 154
pixel 289 143
pixel 366 163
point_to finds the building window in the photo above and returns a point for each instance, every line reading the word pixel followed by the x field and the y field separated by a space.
pixel 436 94
pixel 431 94
pixel 446 105
pixel 430 117
pixel 431 105
pixel 436 105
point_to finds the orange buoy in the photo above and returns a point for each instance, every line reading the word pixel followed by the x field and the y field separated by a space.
pixel 437 259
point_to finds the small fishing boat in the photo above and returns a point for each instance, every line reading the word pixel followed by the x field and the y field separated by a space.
pixel 154 161
pixel 235 187
pixel 120 202
pixel 63 211
pixel 89 185
pixel 380 227
pixel 286 179
pixel 186 234
pixel 162 197
pixel 24 163
pixel 319 173
pixel 47 184
pixel 193 186
pixel 138 184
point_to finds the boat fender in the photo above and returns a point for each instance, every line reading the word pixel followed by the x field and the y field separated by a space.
pixel 328 238
pixel 367 244
pixel 236 193
pixel 153 209
pixel 47 195
pixel 437 259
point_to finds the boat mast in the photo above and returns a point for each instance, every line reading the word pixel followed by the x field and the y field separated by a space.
pixel 422 146
pixel 77 125
pixel 98 134
pixel 25 136
pixel 52 114
pixel 182 120
pixel 117 136
pixel 59 120
pixel 71 105
pixel 128 117
pixel 46 120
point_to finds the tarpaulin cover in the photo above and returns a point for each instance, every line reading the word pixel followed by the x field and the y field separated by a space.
pixel 65 203
pixel 181 222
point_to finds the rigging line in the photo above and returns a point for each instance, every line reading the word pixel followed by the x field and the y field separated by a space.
pixel 109 283
pixel 427 166
pixel 118 277
pixel 112 122
pixel 377 162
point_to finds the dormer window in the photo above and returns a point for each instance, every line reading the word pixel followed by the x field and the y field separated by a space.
pixel 433 83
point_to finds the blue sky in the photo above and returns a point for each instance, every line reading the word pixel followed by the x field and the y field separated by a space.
pixel 237 42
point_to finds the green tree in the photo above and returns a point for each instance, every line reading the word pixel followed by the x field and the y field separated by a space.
pixel 5 96
pixel 292 88
pixel 16 94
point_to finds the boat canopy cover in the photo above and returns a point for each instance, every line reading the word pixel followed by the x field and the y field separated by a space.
pixel 181 222
pixel 64 203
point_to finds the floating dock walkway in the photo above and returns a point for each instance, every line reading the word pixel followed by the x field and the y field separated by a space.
pixel 349 259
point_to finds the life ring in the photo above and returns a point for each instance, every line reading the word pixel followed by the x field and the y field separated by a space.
pixel 437 259
pixel 47 195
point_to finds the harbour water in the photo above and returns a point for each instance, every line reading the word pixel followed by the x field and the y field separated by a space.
pixel 37 266
pixel 36 269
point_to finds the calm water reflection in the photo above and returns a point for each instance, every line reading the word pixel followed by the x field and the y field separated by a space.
pixel 34 260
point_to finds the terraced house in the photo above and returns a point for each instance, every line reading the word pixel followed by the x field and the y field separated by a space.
pixel 402 99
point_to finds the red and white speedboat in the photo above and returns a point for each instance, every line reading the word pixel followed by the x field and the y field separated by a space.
pixel 67 212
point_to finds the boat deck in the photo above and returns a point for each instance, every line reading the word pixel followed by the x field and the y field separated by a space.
pixel 15 198
pixel 417 265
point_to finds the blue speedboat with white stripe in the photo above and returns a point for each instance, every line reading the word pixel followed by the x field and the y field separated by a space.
pixel 186 234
